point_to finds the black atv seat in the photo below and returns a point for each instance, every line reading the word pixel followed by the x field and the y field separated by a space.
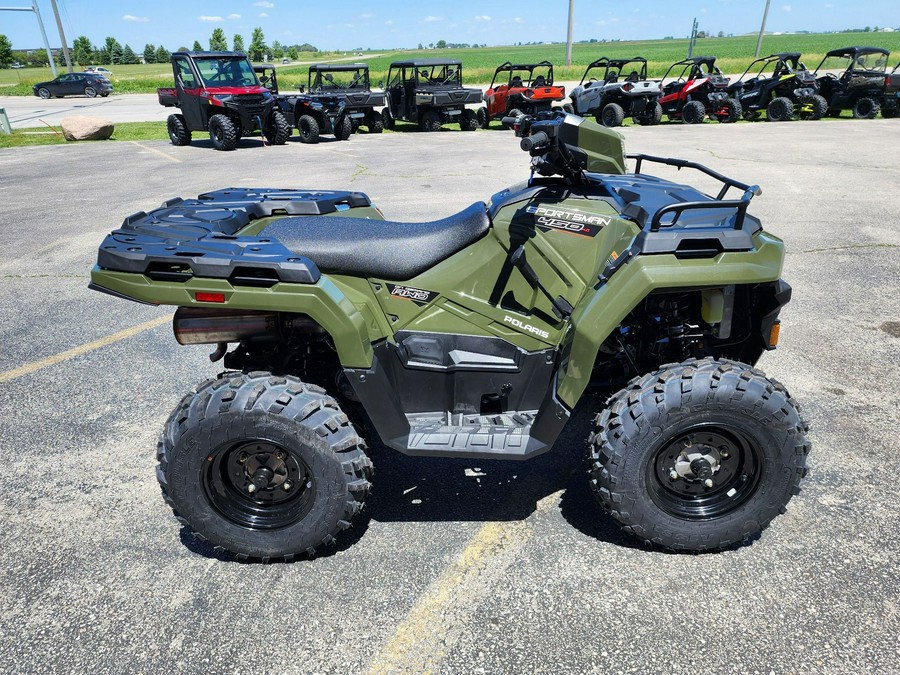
pixel 379 248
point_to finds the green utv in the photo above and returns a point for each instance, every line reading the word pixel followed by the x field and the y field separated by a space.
pixel 473 336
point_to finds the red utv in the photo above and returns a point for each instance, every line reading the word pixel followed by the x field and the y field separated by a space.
pixel 694 88
pixel 526 89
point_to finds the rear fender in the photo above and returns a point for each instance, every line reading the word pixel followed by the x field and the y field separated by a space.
pixel 603 307
pixel 328 302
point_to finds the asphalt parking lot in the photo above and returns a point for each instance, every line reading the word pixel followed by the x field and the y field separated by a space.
pixel 456 566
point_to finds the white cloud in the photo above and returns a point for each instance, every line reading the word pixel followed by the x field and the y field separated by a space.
pixel 211 19
pixel 367 15
pixel 432 19
pixel 703 11
pixel 483 17
pixel 264 3
pixel 234 16
pixel 388 23
pixel 263 15
pixel 139 19
pixel 786 8
pixel 518 19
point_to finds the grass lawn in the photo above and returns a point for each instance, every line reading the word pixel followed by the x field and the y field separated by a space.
pixel 733 55
pixel 125 131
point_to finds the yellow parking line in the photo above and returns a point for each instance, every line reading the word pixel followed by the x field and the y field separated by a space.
pixel 420 642
pixel 82 349
pixel 158 152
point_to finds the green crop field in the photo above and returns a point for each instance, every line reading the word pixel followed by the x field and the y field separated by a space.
pixel 733 55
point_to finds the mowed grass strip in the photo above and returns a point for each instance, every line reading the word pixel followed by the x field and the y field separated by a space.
pixel 52 135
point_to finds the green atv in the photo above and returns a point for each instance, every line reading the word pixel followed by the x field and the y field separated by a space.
pixel 473 336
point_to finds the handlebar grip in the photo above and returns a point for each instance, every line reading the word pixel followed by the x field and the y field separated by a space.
pixel 509 121
pixel 534 141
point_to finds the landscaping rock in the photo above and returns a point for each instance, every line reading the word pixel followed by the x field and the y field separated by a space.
pixel 84 128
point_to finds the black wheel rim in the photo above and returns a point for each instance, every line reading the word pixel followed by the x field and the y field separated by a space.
pixel 704 472
pixel 258 484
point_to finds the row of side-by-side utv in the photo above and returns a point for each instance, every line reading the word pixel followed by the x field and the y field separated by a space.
pixel 224 94
pixel 779 85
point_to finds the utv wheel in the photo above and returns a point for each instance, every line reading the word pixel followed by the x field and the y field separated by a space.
pixel 698 455
pixel 43 92
pixel 865 109
pixel 568 108
pixel 431 121
pixel 308 128
pixel 813 108
pixel 780 109
pixel 388 118
pixel 652 117
pixel 278 131
pixel 733 111
pixel 178 131
pixel 265 467
pixel 693 112
pixel 889 113
pixel 90 92
pixel 612 115
pixel 222 132
pixel 375 122
pixel 482 117
pixel 468 121
pixel 344 129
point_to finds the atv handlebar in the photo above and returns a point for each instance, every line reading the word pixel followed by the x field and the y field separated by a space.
pixel 509 121
pixel 534 141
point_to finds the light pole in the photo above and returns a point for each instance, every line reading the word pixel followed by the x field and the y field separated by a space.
pixel 37 12
pixel 569 38
pixel 62 36
pixel 762 30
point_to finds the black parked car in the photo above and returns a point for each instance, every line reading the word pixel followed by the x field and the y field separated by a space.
pixel 70 84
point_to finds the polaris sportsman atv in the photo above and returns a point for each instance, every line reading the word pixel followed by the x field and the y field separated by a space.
pixel 787 90
pixel 473 336
pixel 313 113
pixel 615 95
pixel 519 89
pixel 698 89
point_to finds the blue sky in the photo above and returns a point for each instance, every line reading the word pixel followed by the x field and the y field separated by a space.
pixel 349 24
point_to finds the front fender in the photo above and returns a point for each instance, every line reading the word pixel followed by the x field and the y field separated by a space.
pixel 603 308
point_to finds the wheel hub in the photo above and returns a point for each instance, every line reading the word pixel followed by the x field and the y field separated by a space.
pixel 259 484
pixel 704 472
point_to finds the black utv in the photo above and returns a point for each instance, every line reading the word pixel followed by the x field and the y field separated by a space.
pixel 891 106
pixel 350 80
pixel 312 113
pixel 780 85
pixel 860 87
pixel 429 93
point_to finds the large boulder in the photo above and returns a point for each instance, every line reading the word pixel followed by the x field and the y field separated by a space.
pixel 85 128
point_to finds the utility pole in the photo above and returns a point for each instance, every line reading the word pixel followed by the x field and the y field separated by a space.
pixel 37 12
pixel 62 36
pixel 762 30
pixel 693 39
pixel 569 38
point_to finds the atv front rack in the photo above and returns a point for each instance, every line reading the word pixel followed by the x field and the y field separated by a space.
pixel 750 191
pixel 680 220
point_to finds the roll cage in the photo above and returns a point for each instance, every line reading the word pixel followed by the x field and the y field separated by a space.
pixel 515 79
pixel 613 68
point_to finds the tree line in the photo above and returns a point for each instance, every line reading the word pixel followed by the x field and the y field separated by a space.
pixel 112 52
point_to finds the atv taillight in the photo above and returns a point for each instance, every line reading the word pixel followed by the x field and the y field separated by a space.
pixel 887 80
pixel 628 86
pixel 200 296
